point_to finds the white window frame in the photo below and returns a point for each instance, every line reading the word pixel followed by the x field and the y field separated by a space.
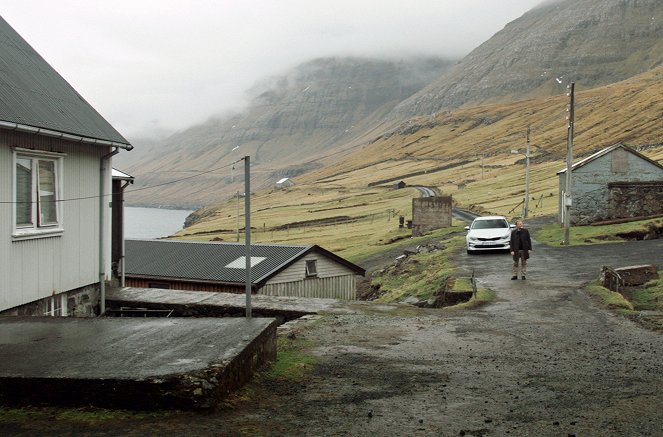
pixel 56 306
pixel 35 229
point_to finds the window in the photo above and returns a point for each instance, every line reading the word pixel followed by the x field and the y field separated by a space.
pixel 56 306
pixel 37 190
pixel 311 267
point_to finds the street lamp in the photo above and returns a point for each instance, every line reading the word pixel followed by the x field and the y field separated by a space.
pixel 527 155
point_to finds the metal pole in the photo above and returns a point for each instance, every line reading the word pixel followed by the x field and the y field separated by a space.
pixel 238 216
pixel 247 231
pixel 569 166
pixel 526 204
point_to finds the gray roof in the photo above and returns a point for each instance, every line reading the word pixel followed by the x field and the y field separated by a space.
pixel 208 261
pixel 34 95
pixel 607 150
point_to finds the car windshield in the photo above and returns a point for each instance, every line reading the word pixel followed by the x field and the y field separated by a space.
pixel 490 224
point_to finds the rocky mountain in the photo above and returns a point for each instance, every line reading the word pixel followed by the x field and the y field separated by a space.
pixel 291 119
pixel 589 42
pixel 322 111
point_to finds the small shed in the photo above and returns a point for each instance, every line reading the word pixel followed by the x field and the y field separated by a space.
pixel 276 270
pixel 284 183
pixel 615 182
pixel 400 185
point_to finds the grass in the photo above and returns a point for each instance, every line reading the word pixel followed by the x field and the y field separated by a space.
pixel 608 298
pixel 421 275
pixel 553 234
pixel 649 297
pixel 293 359
pixel 482 297
pixel 642 304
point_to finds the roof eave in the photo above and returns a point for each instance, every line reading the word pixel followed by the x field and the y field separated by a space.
pixel 8 125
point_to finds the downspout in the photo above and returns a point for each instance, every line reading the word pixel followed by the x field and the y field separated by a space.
pixel 122 250
pixel 102 200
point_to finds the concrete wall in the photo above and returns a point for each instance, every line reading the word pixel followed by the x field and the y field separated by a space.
pixel 591 195
pixel 430 213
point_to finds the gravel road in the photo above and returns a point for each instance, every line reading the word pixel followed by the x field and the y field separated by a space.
pixel 542 360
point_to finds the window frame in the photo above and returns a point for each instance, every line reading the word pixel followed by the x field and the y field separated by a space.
pixel 311 273
pixel 37 229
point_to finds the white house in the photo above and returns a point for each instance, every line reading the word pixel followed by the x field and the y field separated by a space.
pixel 55 171
pixel 284 183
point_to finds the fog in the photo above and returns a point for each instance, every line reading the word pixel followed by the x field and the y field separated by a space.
pixel 152 67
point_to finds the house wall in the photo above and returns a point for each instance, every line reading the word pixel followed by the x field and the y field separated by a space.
pixel 430 213
pixel 591 195
pixel 333 280
pixel 37 268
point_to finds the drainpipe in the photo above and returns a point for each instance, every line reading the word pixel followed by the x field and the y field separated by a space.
pixel 122 250
pixel 104 163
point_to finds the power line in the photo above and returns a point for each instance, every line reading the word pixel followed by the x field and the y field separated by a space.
pixel 96 196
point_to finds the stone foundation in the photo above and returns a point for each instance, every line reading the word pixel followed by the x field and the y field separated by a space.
pixel 81 302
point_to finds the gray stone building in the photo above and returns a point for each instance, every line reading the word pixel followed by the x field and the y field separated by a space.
pixel 616 182
pixel 430 213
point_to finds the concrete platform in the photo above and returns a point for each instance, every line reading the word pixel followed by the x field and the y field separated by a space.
pixel 211 304
pixel 140 363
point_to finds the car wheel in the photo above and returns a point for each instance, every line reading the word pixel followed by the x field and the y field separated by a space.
pixel 470 252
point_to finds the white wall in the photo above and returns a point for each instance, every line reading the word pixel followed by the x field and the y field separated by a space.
pixel 36 268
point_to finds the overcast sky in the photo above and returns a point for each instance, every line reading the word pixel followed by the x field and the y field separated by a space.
pixel 161 65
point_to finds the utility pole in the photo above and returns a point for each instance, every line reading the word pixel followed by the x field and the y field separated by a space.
pixel 238 216
pixel 567 199
pixel 526 204
pixel 247 232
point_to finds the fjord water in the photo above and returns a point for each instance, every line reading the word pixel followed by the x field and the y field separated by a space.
pixel 152 222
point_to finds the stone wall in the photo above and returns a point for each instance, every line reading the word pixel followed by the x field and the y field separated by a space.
pixel 81 302
pixel 635 199
pixel 430 213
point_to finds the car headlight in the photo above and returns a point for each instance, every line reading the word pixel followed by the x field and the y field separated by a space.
pixel 472 238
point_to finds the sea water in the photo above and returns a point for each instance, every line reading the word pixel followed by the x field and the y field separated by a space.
pixel 152 222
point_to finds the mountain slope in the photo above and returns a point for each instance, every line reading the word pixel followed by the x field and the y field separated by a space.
pixel 315 108
pixel 590 42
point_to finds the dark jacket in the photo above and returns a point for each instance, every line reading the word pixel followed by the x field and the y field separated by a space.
pixel 520 240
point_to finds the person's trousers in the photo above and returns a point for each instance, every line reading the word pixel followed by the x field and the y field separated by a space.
pixel 520 256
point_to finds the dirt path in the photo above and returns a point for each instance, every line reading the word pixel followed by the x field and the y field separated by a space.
pixel 541 361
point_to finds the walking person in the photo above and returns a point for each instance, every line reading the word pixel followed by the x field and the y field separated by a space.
pixel 520 246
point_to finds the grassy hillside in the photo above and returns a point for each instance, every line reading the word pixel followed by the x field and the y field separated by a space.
pixel 335 208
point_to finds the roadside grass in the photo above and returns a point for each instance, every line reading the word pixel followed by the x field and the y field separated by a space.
pixel 482 297
pixel 610 299
pixel 643 304
pixel 553 234
pixel 293 363
pixel 420 275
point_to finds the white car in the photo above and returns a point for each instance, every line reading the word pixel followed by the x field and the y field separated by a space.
pixel 488 233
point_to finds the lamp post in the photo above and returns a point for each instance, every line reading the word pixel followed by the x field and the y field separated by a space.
pixel 527 155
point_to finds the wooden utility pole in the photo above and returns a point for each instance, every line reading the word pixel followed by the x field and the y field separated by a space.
pixel 567 199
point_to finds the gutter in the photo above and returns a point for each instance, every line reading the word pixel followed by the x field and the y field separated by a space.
pixel 55 134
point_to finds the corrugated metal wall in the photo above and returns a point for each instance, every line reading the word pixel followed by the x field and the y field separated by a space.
pixel 37 268
pixel 337 287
